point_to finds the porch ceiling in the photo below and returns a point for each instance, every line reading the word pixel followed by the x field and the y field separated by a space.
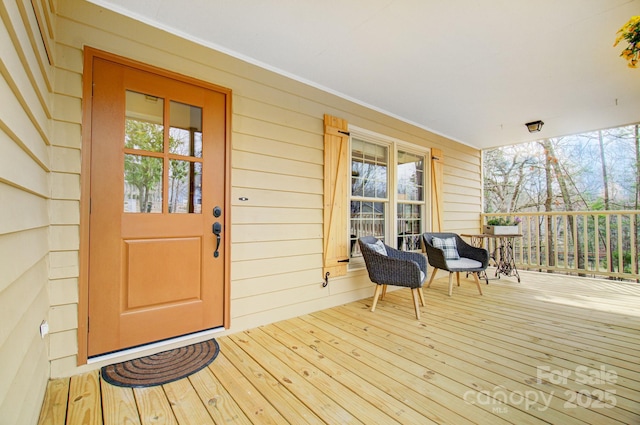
pixel 472 71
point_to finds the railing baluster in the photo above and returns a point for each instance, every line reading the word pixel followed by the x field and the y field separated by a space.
pixel 596 219
pixel 585 242
pixel 565 248
pixel 632 242
pixel 528 236
pixel 554 239
pixel 620 247
pixel 608 241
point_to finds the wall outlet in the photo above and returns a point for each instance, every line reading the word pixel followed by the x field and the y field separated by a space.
pixel 44 328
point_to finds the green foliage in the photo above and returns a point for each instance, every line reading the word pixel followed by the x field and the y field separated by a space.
pixel 597 205
pixel 501 221
pixel 142 171
pixel 626 260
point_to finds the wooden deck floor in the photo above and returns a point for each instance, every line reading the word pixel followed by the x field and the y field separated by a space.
pixel 548 350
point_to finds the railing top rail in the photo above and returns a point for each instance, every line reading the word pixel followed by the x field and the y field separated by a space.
pixel 608 212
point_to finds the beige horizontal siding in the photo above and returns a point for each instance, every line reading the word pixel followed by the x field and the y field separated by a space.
pixel 63 344
pixel 15 219
pixel 252 214
pixel 25 187
pixel 63 291
pixel 19 168
pixel 19 251
pixel 63 265
pixel 252 287
pixel 273 249
pixel 269 181
pixel 285 150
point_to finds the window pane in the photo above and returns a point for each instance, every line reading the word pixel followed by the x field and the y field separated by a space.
pixel 185 187
pixel 410 177
pixel 368 169
pixel 142 184
pixel 185 130
pixel 367 219
pixel 144 129
pixel 409 226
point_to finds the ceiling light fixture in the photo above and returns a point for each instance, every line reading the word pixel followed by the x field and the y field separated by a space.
pixel 534 126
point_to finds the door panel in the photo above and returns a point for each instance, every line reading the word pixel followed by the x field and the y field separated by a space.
pixel 162 271
pixel 158 167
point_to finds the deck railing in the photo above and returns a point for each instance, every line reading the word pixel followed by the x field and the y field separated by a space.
pixel 588 243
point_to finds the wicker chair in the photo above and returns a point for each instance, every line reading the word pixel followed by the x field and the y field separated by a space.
pixel 397 268
pixel 471 259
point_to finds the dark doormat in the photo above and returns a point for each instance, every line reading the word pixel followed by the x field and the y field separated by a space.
pixel 162 368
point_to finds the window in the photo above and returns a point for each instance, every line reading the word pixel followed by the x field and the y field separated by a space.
pixel 387 180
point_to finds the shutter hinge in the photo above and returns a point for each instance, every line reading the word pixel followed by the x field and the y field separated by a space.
pixel 344 132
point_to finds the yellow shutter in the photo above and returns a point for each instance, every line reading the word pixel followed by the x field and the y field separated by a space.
pixel 437 177
pixel 336 184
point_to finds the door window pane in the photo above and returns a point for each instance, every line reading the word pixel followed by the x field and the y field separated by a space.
pixel 144 129
pixel 185 130
pixel 185 187
pixel 142 184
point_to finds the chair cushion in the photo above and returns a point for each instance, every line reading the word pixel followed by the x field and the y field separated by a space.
pixel 378 247
pixel 448 245
pixel 463 264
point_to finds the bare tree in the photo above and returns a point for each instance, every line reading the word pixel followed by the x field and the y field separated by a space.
pixel 605 177
pixel 567 201
pixel 507 179
pixel 548 203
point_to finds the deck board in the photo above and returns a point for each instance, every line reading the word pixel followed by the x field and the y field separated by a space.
pixel 154 407
pixel 490 359
pixel 256 407
pixel 54 407
pixel 85 401
pixel 220 404
pixel 118 405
